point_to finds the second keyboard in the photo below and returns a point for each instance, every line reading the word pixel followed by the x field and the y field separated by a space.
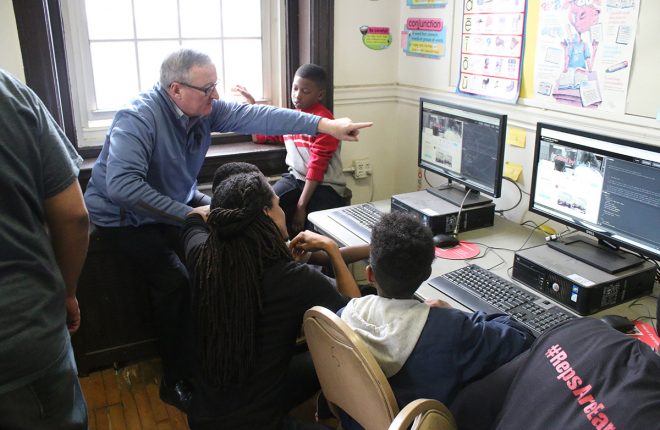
pixel 481 290
pixel 360 219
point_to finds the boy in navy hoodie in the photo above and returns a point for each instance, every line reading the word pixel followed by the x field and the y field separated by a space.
pixel 426 350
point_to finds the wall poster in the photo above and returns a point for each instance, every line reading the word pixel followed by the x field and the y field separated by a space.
pixel 492 49
pixel 376 38
pixel 426 3
pixel 424 37
pixel 584 51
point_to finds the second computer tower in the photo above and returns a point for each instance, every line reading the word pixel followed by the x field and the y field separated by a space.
pixel 441 216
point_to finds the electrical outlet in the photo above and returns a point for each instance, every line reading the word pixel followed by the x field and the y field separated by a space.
pixel 362 168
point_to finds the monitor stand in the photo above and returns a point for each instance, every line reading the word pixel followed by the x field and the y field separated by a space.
pixel 603 258
pixel 455 195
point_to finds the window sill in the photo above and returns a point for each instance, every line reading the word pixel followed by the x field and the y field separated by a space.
pixel 268 158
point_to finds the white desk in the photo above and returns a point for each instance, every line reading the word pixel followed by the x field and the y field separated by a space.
pixel 505 235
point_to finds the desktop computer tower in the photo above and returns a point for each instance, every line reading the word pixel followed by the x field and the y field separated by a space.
pixel 440 215
pixel 577 285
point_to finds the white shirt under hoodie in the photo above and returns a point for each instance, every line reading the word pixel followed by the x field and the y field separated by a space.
pixel 389 327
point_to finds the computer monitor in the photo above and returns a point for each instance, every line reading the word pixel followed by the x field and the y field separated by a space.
pixel 466 146
pixel 606 187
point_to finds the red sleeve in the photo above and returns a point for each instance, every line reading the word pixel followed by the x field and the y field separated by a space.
pixel 262 138
pixel 321 152
pixel 322 149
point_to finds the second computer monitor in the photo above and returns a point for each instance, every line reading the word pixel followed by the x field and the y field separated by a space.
pixel 464 145
pixel 605 186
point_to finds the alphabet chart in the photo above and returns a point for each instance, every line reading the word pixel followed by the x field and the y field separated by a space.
pixel 492 49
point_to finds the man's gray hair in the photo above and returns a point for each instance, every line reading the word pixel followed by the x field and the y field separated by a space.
pixel 176 67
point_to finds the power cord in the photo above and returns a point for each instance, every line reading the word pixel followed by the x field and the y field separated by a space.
pixel 427 181
pixel 373 188
pixel 460 209
pixel 520 197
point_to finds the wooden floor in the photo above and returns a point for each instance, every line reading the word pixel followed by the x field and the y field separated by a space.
pixel 128 399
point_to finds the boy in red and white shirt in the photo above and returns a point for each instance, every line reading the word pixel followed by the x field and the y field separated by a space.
pixel 315 180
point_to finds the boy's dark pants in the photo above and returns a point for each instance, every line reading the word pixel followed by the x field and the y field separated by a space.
pixel 289 189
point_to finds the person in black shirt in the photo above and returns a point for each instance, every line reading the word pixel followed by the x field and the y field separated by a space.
pixel 580 375
pixel 249 296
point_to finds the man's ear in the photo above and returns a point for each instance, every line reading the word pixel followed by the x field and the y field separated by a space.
pixel 321 95
pixel 174 90
pixel 370 274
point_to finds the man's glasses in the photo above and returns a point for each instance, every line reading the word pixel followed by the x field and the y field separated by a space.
pixel 207 90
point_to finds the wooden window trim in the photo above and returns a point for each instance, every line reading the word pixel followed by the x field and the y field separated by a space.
pixel 41 36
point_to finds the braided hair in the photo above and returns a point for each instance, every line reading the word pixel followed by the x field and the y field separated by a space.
pixel 242 241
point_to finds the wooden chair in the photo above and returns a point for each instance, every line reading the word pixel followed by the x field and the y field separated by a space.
pixel 350 376
pixel 424 414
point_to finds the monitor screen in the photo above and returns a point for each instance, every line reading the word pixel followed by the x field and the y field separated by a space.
pixel 464 145
pixel 607 187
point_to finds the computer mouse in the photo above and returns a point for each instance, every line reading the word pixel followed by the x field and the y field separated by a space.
pixel 445 240
pixel 619 323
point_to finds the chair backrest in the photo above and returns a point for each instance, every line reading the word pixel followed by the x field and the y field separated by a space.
pixel 350 376
pixel 427 414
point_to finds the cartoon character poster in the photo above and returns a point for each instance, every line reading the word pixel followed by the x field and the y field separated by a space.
pixel 584 51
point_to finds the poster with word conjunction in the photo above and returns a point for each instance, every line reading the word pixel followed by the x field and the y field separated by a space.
pixel 492 49
pixel 426 3
pixel 584 52
pixel 424 37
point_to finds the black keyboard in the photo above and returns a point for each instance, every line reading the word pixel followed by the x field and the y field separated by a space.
pixel 359 219
pixel 481 290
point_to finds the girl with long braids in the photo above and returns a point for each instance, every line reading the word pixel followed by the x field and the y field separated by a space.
pixel 249 296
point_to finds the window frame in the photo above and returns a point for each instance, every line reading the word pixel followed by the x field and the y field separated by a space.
pixel 41 36
pixel 94 122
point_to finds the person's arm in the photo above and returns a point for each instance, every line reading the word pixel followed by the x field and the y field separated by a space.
pixel 300 214
pixel 261 119
pixel 131 145
pixel 68 225
pixel 249 99
pixel 263 138
pixel 342 128
pixel 488 341
pixel 321 150
pixel 199 199
pixel 350 254
pixel 591 56
pixel 309 241
pixel 243 92
pixel 194 233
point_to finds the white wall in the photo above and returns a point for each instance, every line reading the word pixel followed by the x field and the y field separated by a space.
pixel 10 54
pixel 365 82
pixel 385 86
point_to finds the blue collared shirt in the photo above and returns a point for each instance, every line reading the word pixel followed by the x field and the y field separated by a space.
pixel 147 170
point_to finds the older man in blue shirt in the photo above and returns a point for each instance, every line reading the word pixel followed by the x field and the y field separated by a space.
pixel 144 183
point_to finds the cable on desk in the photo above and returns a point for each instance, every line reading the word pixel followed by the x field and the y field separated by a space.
pixel 486 251
pixel 649 316
pixel 538 226
pixel 520 197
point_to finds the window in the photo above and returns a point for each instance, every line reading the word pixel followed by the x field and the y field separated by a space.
pixel 115 48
